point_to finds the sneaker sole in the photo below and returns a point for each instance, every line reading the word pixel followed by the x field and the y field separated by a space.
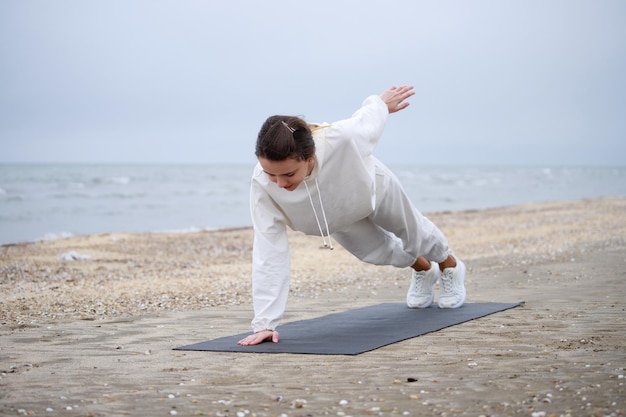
pixel 426 305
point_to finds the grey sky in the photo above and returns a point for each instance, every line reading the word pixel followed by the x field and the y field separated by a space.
pixel 497 82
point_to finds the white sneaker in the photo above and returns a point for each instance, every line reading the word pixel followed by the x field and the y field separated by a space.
pixel 452 292
pixel 422 289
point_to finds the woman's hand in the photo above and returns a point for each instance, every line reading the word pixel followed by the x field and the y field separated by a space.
pixel 394 97
pixel 260 337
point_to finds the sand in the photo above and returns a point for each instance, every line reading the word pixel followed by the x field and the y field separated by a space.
pixel 88 324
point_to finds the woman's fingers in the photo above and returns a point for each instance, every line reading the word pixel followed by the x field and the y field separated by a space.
pixel 259 337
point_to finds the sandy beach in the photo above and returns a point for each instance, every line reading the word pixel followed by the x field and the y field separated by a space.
pixel 88 324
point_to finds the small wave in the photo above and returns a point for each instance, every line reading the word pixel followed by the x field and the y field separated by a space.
pixel 9 197
pixel 124 196
pixel 181 231
pixel 121 180
pixel 68 195
pixel 98 195
pixel 55 236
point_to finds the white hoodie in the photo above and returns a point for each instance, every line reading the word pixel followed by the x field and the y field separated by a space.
pixel 343 178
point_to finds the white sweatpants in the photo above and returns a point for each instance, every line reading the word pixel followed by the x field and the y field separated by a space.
pixel 396 233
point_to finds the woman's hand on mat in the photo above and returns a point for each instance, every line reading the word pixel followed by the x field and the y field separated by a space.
pixel 260 337
pixel 394 97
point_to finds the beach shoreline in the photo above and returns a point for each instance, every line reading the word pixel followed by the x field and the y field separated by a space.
pixel 88 324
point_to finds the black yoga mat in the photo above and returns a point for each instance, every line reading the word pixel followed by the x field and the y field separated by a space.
pixel 357 331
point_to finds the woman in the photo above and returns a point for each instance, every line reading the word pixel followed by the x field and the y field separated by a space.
pixel 324 180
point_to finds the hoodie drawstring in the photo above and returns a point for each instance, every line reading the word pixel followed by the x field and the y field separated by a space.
pixel 319 225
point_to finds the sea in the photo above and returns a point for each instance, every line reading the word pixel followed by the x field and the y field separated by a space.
pixel 55 201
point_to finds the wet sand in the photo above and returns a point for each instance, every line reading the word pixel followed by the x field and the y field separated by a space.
pixel 88 324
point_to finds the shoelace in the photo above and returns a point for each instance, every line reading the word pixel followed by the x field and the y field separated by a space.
pixel 419 277
pixel 419 282
pixel 328 244
pixel 446 281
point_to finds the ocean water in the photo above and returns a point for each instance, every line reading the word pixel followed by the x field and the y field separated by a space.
pixel 50 201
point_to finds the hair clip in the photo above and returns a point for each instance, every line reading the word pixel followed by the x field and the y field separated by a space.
pixel 291 129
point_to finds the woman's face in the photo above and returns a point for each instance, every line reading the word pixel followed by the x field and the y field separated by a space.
pixel 288 173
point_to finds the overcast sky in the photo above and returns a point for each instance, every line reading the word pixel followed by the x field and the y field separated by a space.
pixel 527 82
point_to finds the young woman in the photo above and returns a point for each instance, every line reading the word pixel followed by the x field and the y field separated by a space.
pixel 324 180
